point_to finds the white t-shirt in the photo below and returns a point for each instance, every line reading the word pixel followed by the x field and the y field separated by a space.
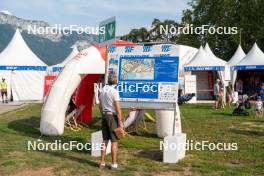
pixel 259 105
pixel 107 98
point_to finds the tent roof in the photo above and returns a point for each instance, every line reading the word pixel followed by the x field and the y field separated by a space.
pixel 238 56
pixel 59 66
pixel 69 57
pixel 211 54
pixel 252 61
pixel 203 61
pixel 17 53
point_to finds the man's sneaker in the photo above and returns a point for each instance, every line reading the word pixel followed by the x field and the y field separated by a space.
pixel 114 167
pixel 101 166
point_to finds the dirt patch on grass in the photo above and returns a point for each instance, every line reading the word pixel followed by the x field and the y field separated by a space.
pixel 46 171
pixel 16 154
pixel 253 124
pixel 187 171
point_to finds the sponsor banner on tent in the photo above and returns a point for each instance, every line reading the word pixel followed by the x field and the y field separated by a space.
pixel 33 68
pixel 204 68
pixel 145 73
pixel 249 67
pixel 56 69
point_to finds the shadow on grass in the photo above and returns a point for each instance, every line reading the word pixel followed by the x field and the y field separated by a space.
pixel 258 121
pixel 248 132
pixel 29 127
pixel 73 158
pixel 26 127
pixel 222 114
pixel 155 155
pixel 144 134
pixel 96 123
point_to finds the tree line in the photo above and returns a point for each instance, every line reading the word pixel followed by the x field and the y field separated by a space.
pixel 246 15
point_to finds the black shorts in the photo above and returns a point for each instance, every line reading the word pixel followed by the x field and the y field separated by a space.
pixel 4 93
pixel 109 123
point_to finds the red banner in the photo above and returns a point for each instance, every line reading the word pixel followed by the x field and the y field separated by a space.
pixel 47 84
pixel 210 82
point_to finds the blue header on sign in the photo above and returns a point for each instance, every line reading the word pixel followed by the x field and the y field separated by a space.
pixel 33 68
pixel 204 68
pixel 249 67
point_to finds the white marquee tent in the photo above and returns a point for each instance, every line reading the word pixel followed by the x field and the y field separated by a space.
pixel 254 60
pixel 58 67
pixel 23 70
pixel 237 57
pixel 227 68
pixel 202 61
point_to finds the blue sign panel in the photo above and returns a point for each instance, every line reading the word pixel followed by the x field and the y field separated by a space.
pixel 144 77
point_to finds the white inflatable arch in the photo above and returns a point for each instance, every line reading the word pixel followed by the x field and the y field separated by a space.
pixel 88 61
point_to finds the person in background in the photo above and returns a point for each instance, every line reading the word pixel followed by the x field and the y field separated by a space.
pixel 216 93
pixel 259 107
pixel 239 87
pixel 111 119
pixel 221 102
pixel 3 87
pixel 230 94
pixel 261 92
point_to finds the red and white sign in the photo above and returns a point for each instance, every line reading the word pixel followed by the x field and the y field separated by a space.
pixel 47 84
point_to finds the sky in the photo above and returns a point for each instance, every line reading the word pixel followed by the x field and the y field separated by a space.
pixel 89 13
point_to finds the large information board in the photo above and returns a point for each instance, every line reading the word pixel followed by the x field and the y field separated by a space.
pixel 147 75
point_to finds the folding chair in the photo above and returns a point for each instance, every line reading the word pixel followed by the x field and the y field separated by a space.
pixel 71 119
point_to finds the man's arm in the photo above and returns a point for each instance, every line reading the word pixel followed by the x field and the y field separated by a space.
pixel 119 113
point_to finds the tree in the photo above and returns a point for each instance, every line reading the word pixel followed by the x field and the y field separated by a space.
pixel 247 16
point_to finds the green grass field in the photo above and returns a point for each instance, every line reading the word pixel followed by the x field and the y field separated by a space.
pixel 139 154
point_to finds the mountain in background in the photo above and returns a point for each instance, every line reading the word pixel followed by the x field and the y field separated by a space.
pixel 50 48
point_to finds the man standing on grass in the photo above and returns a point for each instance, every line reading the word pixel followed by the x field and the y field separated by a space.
pixel 111 119
pixel 3 87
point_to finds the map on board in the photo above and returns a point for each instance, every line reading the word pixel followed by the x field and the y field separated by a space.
pixel 137 69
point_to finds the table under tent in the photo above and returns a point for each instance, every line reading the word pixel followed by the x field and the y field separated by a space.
pixel 23 71
pixel 250 70
pixel 207 69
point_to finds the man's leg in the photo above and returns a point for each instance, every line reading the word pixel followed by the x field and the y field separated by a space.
pixel 216 104
pixel 2 95
pixel 6 97
pixel 114 148
pixel 103 151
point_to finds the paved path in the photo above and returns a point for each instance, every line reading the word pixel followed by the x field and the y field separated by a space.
pixel 10 106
